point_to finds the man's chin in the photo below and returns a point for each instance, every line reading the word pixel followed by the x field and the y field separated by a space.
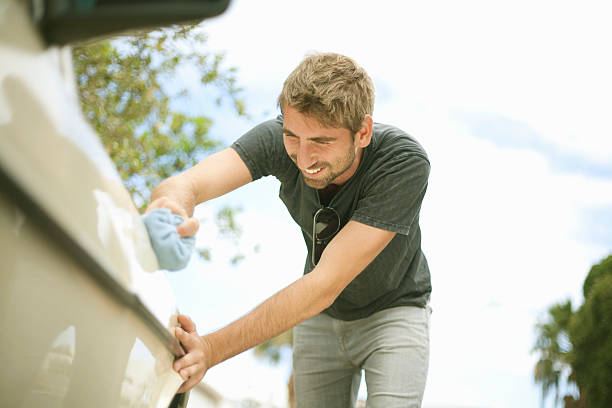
pixel 314 183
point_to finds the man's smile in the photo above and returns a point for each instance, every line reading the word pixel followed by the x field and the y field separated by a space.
pixel 313 171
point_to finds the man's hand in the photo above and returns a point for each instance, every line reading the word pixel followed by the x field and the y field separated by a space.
pixel 193 365
pixel 214 176
pixel 188 227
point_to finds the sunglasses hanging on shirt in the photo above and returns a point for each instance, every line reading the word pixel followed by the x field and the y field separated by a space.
pixel 325 224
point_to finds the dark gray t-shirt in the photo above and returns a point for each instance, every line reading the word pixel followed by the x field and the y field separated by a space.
pixel 385 192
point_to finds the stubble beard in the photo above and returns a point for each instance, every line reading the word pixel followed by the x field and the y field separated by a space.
pixel 345 163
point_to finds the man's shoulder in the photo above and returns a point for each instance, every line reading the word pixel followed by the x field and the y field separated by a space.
pixel 262 150
pixel 391 141
pixel 271 126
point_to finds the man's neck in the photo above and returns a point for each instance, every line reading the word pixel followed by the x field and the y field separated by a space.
pixel 326 194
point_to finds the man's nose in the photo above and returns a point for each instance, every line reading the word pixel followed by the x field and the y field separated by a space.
pixel 305 156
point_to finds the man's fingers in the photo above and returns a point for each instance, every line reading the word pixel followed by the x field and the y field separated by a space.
pixel 187 385
pixel 191 341
pixel 188 227
pixel 185 361
pixel 186 323
pixel 187 339
pixel 191 366
pixel 164 202
pixel 190 371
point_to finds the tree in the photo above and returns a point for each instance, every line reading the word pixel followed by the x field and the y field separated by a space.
pixel 132 93
pixel 591 334
pixel 125 87
pixel 575 347
pixel 552 371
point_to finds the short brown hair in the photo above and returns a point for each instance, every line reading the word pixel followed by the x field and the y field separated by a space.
pixel 331 88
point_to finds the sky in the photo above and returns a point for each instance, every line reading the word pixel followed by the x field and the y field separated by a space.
pixel 511 100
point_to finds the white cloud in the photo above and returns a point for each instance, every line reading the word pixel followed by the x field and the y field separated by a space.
pixel 544 62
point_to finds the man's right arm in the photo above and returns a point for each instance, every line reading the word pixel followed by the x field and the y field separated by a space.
pixel 214 176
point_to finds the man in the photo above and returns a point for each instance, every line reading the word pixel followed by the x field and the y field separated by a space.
pixel 355 188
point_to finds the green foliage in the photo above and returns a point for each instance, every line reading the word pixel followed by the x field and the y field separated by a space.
pixel 226 221
pixel 271 350
pixel 130 89
pixel 205 253
pixel 236 259
pixel 133 93
pixel 591 334
pixel 602 269
pixel 576 346
pixel 553 346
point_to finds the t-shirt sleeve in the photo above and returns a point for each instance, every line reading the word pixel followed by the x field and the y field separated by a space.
pixel 393 193
pixel 263 151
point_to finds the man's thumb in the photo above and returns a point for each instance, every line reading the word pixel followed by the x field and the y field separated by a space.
pixel 189 227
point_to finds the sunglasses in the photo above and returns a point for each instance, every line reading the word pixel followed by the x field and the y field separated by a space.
pixel 325 224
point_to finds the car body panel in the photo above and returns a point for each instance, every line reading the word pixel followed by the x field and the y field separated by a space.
pixel 67 341
pixel 86 314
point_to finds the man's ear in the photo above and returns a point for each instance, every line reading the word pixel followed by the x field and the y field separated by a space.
pixel 363 137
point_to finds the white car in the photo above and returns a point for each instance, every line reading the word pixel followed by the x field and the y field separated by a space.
pixel 85 313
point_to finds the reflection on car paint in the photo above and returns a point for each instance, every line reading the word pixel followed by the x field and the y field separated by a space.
pixel 139 375
pixel 52 382
pixel 123 235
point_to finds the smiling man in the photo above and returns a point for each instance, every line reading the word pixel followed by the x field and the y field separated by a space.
pixel 355 188
pixel 335 144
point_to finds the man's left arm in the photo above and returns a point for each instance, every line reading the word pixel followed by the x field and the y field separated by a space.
pixel 351 250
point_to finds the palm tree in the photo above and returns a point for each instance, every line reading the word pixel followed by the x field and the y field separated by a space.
pixel 553 370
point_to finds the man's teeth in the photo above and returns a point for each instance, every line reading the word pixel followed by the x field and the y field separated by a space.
pixel 313 171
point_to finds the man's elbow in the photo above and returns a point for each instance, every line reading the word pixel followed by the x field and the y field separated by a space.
pixel 327 298
pixel 331 289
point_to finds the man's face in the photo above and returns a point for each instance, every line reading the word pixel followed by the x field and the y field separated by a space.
pixel 324 155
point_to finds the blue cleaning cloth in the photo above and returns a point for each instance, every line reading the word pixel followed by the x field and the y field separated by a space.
pixel 172 251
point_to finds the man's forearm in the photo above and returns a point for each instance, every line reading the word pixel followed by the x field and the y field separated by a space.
pixel 297 302
pixel 304 298
pixel 214 176
pixel 309 295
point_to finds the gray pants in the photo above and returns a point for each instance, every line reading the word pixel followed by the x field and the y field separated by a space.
pixel 391 346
